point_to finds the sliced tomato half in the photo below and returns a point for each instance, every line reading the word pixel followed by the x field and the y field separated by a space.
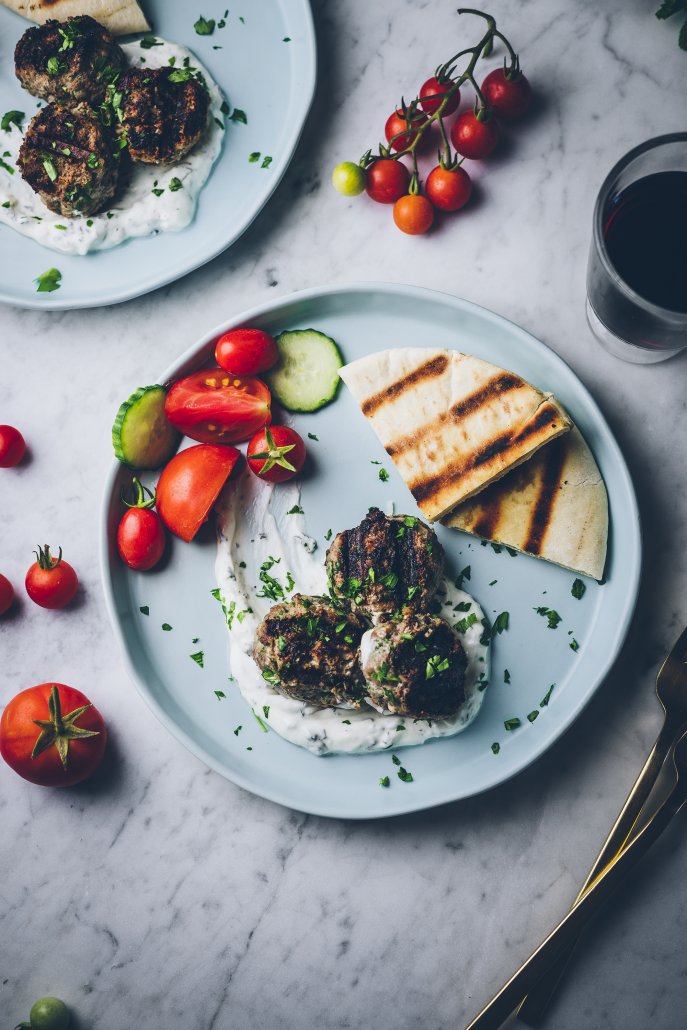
pixel 214 406
pixel 190 484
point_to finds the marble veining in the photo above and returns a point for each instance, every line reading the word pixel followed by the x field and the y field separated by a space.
pixel 162 897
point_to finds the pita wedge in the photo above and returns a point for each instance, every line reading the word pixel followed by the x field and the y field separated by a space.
pixel 554 506
pixel 451 423
pixel 119 16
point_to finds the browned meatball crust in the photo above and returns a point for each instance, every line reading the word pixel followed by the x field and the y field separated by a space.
pixel 71 60
pixel 163 113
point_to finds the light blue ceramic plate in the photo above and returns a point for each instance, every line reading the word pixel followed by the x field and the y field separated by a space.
pixel 271 80
pixel 343 485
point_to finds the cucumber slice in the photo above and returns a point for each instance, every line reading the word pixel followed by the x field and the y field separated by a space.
pixel 307 376
pixel 142 437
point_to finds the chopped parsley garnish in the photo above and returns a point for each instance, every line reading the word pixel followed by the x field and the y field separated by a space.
pixel 346 722
pixel 383 475
pixel 578 589
pixel 237 730
pixel 255 156
pixel 574 646
pixel 259 721
pixel 390 580
pixel 220 695
pixel 11 118
pixel 501 623
pixel 198 658
pixel 328 535
pixel 204 26
pixel 462 606
pixel 404 775
pixel 435 665
pixel 158 192
pixel 512 552
pixel 195 640
pixel 462 576
pixel 463 625
pixel 533 715
pixel 224 107
pixel 7 203
pixel 48 281
pixel 496 747
pixel 175 184
pixel 148 42
pixel 55 66
pixel 50 169
pixel 311 436
pixel 486 632
pixel 89 222
pixel 395 759
pixel 63 227
pixel 270 676
pixel 237 115
pixel 506 676
pixel 384 781
pixel 181 75
pixel 266 161
pixel 69 33
pixel 382 675
pixel 93 161
pixel 166 627
pixel 144 609
pixel 242 565
pixel 286 39
pixel 271 587
pixel 266 711
pixel 512 724
pixel 552 617
pixel 493 582
pixel 296 510
pixel 547 696
pixel 412 592
pixel 496 548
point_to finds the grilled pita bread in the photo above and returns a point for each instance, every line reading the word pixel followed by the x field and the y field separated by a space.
pixel 554 506
pixel 450 422
pixel 119 16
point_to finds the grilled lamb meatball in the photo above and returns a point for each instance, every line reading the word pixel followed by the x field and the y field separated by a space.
pixel 68 60
pixel 308 649
pixel 415 666
pixel 164 113
pixel 385 563
pixel 67 158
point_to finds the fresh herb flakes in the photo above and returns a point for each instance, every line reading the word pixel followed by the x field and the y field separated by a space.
pixel 578 589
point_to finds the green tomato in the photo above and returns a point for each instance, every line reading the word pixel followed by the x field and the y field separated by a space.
pixel 348 178
pixel 49 1014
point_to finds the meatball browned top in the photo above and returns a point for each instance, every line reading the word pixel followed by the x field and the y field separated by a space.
pixel 385 563
pixel 72 60
pixel 163 113
pixel 67 158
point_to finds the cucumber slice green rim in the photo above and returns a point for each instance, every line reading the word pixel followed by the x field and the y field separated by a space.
pixel 307 375
pixel 142 436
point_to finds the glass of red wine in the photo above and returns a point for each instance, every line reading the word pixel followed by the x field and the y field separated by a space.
pixel 637 272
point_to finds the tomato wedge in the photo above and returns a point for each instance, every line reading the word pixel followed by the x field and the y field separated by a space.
pixel 214 406
pixel 190 484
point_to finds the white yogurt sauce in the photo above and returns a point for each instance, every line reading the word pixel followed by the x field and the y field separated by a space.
pixel 135 210
pixel 252 527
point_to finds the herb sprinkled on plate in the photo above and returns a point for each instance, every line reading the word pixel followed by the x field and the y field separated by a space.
pixel 383 475
pixel 496 747
pixel 512 724
pixel 296 510
pixel 198 658
pixel 11 118
pixel 462 576
pixel 220 695
pixel 144 609
pixel 501 623
pixel 148 42
pixel 48 281
pixel 578 589
pixel 266 161
pixel 574 646
pixel 533 715
pixel 254 157
pixel 552 617
pixel 384 781
pixel 239 116
pixel 237 730
pixel 395 759
pixel 175 184
pixel 259 721
pixel 204 26
pixel 166 627
pixel 404 775
pixel 311 436
pixel 328 535
pixel 506 676
pixel 547 696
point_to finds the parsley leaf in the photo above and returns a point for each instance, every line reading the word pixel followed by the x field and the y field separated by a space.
pixel 574 646
pixel 552 617
pixel 204 26
pixel 533 715
pixel 506 676
pixel 220 695
pixel 266 162
pixel 496 747
pixel 383 475
pixel 501 623
pixel 462 575
pixel 175 184
pixel 144 609
pixel 547 696
pixel 384 781
pixel 404 775
pixel 259 721
pixel 395 759
pixel 238 115
pixel 48 281
pixel 296 510
pixel 578 589
pixel 11 118
pixel 166 627
pixel 255 156
pixel 512 724
pixel 198 658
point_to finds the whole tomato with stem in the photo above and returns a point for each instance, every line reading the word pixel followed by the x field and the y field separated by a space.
pixel 141 535
pixel 387 179
pixel 12 447
pixel 507 91
pixel 190 484
pixel 448 187
pixel 348 178
pixel 6 594
pixel 432 93
pixel 413 214
pixel 246 352
pixel 51 582
pixel 52 735
pixel 474 134
pixel 400 126
pixel 276 454
pixel 215 406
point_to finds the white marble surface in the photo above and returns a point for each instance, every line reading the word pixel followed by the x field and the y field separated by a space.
pixel 160 896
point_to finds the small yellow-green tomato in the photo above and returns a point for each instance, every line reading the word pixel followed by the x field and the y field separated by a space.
pixel 49 1014
pixel 349 179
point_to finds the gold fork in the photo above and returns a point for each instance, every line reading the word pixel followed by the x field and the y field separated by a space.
pixel 671 689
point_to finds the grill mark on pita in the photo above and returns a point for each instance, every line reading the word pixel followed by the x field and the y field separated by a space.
pixel 544 418
pixel 549 485
pixel 429 370
pixel 491 390
pixel 488 519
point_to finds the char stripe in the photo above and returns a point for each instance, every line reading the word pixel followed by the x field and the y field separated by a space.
pixel 486 524
pixel 430 370
pixel 546 499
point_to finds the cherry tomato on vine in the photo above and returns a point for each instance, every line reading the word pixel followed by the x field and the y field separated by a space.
pixel 413 214
pixel 276 454
pixel 433 88
pixel 387 180
pixel 141 535
pixel 190 484
pixel 12 447
pixel 349 179
pixel 51 582
pixel 396 123
pixel 6 594
pixel 508 92
pixel 473 137
pixel 245 352
pixel 48 1014
pixel 448 188
pixel 214 406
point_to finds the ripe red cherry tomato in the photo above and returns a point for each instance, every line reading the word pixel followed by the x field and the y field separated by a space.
pixel 276 453
pixel 215 407
pixel 190 484
pixel 12 447
pixel 508 94
pixel 431 88
pixel 413 214
pixel 6 594
pixel 51 582
pixel 245 352
pixel 448 188
pixel 141 535
pixel 473 137
pixel 396 124
pixel 52 735
pixel 387 180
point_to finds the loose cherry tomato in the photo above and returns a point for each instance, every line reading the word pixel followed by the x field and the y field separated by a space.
pixel 413 214
pixel 387 180
pixel 141 535
pixel 215 407
pixel 508 92
pixel 448 188
pixel 6 594
pixel 396 123
pixel 348 178
pixel 245 352
pixel 12 447
pixel 49 1014
pixel 190 484
pixel 473 137
pixel 276 454
pixel 51 582
pixel 432 93
pixel 52 735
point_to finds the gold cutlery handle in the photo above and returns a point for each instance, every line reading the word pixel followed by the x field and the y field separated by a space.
pixel 533 1008
pixel 503 1003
